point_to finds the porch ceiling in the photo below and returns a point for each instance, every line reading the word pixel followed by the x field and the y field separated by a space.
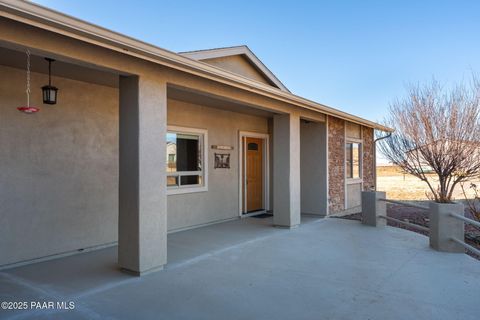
pixel 214 101
pixel 17 59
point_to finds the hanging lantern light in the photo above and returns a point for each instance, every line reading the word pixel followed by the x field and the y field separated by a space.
pixel 28 109
pixel 49 91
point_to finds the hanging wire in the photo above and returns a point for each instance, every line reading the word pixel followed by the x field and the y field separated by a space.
pixel 28 78
pixel 27 109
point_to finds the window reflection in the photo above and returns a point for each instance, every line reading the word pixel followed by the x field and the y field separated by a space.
pixel 184 159
pixel 352 159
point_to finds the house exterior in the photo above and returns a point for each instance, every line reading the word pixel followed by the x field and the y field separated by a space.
pixel 143 141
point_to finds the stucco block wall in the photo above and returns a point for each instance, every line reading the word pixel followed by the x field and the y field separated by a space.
pixel 221 201
pixel 59 168
pixel 336 164
pixel 368 166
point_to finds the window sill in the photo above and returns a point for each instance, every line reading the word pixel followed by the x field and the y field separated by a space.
pixel 174 191
pixel 354 180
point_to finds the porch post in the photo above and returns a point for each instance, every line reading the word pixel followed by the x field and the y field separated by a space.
pixel 444 227
pixel 373 208
pixel 142 223
pixel 286 170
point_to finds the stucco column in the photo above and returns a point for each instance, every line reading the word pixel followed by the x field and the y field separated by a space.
pixel 142 224
pixel 286 170
pixel 444 227
pixel 373 209
pixel 313 168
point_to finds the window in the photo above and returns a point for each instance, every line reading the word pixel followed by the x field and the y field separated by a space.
pixel 352 160
pixel 186 160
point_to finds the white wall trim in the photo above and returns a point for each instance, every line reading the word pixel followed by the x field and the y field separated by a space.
pixel 353 140
pixel 266 169
pixel 354 181
pixel 350 181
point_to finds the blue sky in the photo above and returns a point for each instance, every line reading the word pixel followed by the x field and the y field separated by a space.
pixel 353 55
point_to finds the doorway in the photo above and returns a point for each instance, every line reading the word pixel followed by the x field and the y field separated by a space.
pixel 254 173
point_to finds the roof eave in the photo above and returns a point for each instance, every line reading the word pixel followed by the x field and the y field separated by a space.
pixel 48 19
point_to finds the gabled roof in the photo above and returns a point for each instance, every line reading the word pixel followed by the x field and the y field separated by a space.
pixel 234 51
pixel 54 21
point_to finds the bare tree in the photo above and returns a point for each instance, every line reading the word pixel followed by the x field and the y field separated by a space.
pixel 473 201
pixel 436 136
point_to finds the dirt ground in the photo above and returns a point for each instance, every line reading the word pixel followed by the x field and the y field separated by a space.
pixel 421 217
pixel 401 186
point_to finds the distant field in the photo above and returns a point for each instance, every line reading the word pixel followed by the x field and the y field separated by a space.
pixel 400 186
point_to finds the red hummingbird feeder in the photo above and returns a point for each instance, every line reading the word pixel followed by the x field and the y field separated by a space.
pixel 28 109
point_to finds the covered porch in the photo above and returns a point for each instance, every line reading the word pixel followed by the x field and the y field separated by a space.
pixel 327 268
pixel 96 169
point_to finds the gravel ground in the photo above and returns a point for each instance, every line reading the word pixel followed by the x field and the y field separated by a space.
pixel 420 217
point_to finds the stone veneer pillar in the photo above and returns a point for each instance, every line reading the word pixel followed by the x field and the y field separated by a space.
pixel 368 163
pixel 336 164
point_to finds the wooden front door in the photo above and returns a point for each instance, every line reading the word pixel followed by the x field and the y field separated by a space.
pixel 254 173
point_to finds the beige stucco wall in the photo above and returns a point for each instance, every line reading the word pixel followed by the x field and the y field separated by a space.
pixel 239 65
pixel 221 201
pixel 313 167
pixel 59 168
pixel 354 195
pixel 353 130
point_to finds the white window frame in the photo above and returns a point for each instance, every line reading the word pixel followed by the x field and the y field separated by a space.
pixel 204 172
pixel 358 179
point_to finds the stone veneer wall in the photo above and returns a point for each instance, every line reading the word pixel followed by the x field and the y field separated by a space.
pixel 336 164
pixel 368 159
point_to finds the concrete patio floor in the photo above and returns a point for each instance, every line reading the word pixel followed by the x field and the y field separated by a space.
pixel 245 269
